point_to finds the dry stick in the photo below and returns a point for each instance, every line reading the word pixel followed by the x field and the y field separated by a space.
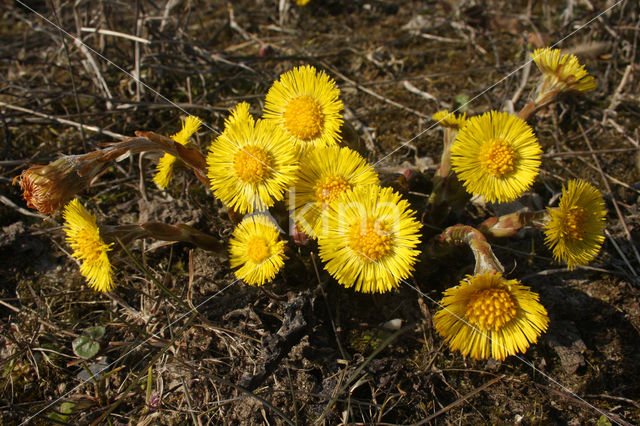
pixel 73 80
pixel 614 398
pixel 92 65
pixel 372 93
pixel 615 99
pixel 608 176
pixel 617 247
pixel 167 12
pixel 614 417
pixel 38 319
pixel 115 34
pixel 4 200
pixel 136 54
pixel 523 83
pixel 64 121
pixel 620 130
pixel 613 198
pixel 597 151
pixel 460 401
pixel 142 186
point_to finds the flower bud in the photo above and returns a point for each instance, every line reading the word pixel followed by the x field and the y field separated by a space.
pixel 48 188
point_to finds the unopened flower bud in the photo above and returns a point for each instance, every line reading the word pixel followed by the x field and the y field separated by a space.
pixel 48 188
pixel 300 238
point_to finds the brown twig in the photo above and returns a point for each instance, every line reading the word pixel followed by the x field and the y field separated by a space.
pixel 460 400
pixel 613 199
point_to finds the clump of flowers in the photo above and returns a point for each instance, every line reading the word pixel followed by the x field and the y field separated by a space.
pixel 370 237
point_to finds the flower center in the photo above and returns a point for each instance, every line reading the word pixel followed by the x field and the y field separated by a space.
pixel 303 117
pixel 372 241
pixel 251 164
pixel 88 246
pixel 491 309
pixel 497 157
pixel 327 189
pixel 257 249
pixel 574 223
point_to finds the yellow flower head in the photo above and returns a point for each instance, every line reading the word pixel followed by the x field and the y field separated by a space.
pixel 490 316
pixel 450 120
pixel 324 174
pixel 561 72
pixel 575 230
pixel 164 172
pixel 305 103
pixel 371 238
pixel 496 155
pixel 302 2
pixel 88 247
pixel 251 163
pixel 254 247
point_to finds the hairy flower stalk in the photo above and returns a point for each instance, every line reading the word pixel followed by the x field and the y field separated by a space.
pixel 48 188
pixel 447 193
pixel 451 123
pixel 463 234
pixel 509 224
pixel 163 232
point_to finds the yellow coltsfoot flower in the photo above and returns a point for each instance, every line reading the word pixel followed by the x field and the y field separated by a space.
pixel 487 315
pixel 575 230
pixel 164 169
pixel 496 155
pixel 88 247
pixel 255 250
pixel 450 120
pixel 251 164
pixel 560 73
pixel 371 239
pixel 324 174
pixel 305 103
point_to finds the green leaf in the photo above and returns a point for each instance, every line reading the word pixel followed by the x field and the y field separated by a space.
pixel 62 413
pixel 462 103
pixel 603 421
pixel 86 345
